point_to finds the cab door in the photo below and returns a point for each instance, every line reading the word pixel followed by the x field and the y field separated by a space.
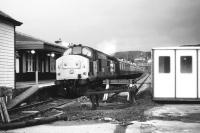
pixel 186 74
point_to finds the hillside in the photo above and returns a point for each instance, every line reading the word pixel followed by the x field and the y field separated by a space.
pixel 131 55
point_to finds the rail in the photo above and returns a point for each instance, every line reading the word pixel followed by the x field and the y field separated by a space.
pixel 39 108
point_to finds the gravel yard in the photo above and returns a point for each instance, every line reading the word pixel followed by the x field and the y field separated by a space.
pixel 117 109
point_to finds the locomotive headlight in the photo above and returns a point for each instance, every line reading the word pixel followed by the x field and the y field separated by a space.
pixel 77 64
pixel 58 66
pixel 84 73
pixel 71 71
pixel 65 64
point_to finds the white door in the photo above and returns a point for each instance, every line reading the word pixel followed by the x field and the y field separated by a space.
pixel 198 74
pixel 186 74
pixel 164 74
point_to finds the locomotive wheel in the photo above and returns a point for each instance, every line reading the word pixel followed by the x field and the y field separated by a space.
pixel 75 92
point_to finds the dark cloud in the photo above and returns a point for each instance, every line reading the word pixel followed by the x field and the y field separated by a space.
pixel 130 24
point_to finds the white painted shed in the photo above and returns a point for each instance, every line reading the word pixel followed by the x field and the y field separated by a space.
pixel 176 73
pixel 7 50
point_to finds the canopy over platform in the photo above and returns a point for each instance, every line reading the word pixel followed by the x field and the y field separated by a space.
pixel 25 42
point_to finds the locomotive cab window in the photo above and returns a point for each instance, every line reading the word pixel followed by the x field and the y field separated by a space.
pixel 164 64
pixel 68 51
pixel 186 64
pixel 87 52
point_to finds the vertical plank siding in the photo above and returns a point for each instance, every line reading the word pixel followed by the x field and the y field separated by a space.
pixel 6 54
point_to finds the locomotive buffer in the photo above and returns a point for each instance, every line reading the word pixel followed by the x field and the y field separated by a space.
pixel 115 86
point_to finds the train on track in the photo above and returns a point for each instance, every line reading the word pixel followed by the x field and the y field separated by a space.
pixel 82 68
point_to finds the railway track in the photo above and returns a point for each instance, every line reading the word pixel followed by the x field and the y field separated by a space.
pixel 33 111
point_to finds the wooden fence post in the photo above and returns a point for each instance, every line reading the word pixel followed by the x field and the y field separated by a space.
pixel 4 113
pixel 5 95
pixel 105 97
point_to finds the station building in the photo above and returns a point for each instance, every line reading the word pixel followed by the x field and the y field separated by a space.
pixel 7 49
pixel 34 54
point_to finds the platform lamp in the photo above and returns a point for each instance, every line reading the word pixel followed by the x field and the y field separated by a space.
pixel 32 51
pixel 52 55
pixel 36 71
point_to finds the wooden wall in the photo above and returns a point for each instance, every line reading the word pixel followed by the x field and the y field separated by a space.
pixel 7 54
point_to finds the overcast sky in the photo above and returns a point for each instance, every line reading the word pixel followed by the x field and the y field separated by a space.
pixel 109 25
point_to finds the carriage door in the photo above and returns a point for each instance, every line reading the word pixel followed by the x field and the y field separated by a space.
pixel 95 68
pixel 186 74
pixel 164 73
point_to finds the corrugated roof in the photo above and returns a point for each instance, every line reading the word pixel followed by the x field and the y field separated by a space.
pixel 9 18
pixel 24 37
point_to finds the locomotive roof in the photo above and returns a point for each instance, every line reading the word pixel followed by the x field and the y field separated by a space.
pixel 108 56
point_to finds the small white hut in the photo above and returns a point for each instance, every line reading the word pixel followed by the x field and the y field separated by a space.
pixel 176 73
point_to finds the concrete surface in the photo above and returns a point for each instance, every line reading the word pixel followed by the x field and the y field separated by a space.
pixel 152 126
pixel 160 126
pixel 63 127
pixel 173 110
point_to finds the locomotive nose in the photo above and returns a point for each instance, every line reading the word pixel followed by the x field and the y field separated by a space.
pixel 73 67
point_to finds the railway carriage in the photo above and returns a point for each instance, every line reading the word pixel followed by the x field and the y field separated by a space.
pixel 82 68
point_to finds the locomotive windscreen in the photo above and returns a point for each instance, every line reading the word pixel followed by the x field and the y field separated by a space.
pixel 77 50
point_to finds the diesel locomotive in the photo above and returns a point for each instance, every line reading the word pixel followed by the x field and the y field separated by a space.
pixel 82 68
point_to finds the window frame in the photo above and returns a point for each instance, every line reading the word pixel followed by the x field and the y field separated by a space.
pixel 166 60
pixel 184 66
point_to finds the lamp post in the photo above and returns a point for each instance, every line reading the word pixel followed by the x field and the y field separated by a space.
pixel 36 69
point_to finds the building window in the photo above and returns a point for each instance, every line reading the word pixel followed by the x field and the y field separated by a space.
pixel 164 64
pixel 186 64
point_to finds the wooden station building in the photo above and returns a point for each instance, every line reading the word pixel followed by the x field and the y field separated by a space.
pixel 7 50
pixel 33 54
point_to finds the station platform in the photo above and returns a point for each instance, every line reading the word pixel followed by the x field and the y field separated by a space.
pixel 41 83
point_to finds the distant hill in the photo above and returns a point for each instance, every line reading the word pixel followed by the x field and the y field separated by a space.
pixel 131 55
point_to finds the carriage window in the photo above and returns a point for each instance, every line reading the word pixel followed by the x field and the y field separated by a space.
pixel 100 67
pixel 164 64
pixel 186 64
pixel 91 68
